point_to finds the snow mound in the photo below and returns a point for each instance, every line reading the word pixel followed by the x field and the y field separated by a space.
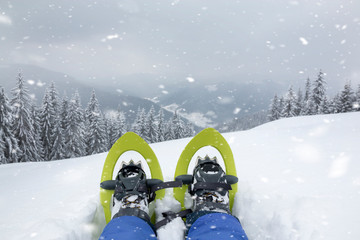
pixel 299 180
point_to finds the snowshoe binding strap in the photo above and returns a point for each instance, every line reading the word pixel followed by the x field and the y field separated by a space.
pixel 212 186
pixel 131 180
pixel 133 212
pixel 158 185
pixel 169 216
pixel 154 185
pixel 163 185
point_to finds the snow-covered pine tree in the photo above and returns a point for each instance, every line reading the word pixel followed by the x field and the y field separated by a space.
pixel 121 120
pixel 10 149
pixel 167 131
pixel 324 106
pixel 176 127
pixel 64 122
pixel 47 127
pixel 80 115
pixel 58 150
pixel 55 102
pixel 96 140
pixel 308 107
pixel 135 124
pixel 2 149
pixel 189 130
pixel 299 103
pixel 337 105
pixel 150 126
pixel 318 93
pixel 22 123
pixel 107 128
pixel 307 104
pixel 74 132
pixel 289 108
pixel 331 106
pixel 160 126
pixel 119 127
pixel 114 127
pixel 357 99
pixel 275 110
pixel 64 111
pixel 307 94
pixel 142 128
pixel 281 105
pixel 347 99
pixel 36 123
pixel 139 124
pixel 113 131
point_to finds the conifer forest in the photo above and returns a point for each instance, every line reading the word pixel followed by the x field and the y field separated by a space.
pixel 61 128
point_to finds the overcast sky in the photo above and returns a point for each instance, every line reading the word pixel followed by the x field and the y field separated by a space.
pixel 245 40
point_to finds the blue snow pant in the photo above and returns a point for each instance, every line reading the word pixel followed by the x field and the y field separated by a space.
pixel 218 226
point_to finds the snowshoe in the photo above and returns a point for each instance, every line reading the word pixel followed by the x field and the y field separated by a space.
pixel 209 181
pixel 129 142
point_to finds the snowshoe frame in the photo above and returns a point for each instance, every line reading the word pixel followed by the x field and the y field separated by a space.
pixel 207 137
pixel 128 142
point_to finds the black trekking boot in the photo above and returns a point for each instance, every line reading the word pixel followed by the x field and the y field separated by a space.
pixel 131 195
pixel 210 188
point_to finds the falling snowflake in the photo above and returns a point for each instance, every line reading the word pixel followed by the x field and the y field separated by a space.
pixel 190 79
pixel 303 41
pixel 236 110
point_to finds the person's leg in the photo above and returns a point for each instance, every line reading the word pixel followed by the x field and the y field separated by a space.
pixel 219 226
pixel 128 228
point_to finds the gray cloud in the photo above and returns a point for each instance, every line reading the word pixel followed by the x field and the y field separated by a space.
pixel 245 40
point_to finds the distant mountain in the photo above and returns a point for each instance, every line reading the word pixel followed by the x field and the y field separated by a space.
pixel 38 79
pixel 205 102
pixel 217 103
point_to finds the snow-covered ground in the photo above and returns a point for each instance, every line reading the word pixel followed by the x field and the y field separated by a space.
pixel 299 179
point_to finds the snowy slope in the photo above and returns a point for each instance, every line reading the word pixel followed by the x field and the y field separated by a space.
pixel 299 179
